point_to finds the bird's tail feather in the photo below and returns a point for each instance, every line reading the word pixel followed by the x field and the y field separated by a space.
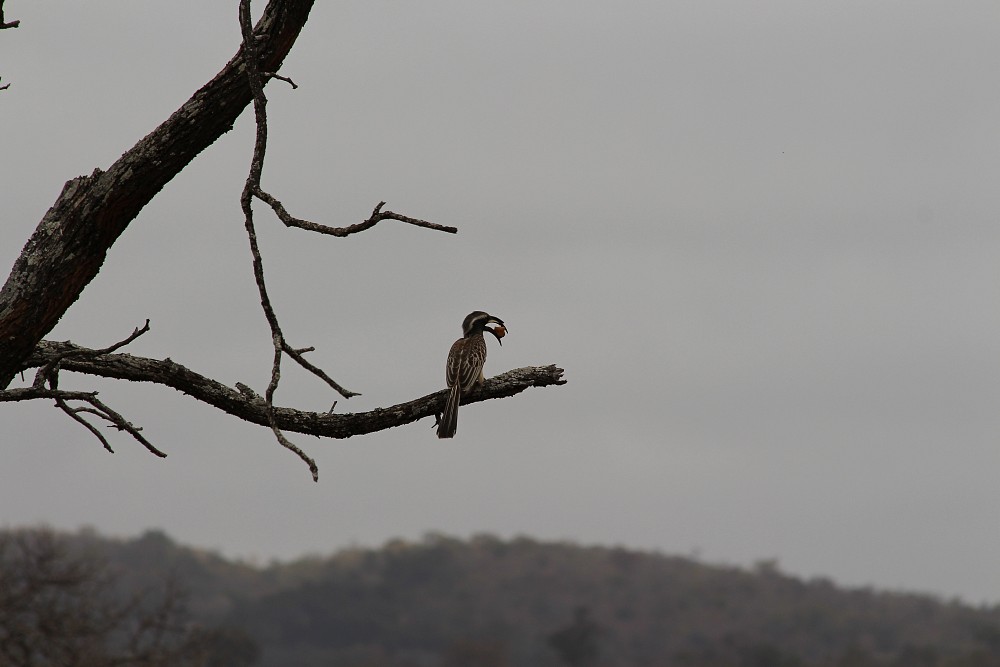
pixel 449 419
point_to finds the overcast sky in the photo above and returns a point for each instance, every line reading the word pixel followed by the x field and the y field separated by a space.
pixel 761 238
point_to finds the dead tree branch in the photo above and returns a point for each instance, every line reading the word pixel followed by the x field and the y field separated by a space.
pixel 377 216
pixel 246 203
pixel 97 408
pixel 69 245
pixel 274 75
pixel 46 385
pixel 253 189
pixel 245 404
pixel 4 23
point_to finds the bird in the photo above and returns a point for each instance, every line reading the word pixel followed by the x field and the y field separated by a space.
pixel 464 369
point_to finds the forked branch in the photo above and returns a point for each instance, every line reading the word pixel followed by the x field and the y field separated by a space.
pixel 46 385
pixel 253 189
pixel 377 216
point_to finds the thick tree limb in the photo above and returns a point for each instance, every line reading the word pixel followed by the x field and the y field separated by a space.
pixel 246 405
pixel 68 247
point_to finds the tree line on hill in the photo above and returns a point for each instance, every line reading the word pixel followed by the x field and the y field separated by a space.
pixel 87 600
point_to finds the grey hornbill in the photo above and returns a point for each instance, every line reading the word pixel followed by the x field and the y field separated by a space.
pixel 464 369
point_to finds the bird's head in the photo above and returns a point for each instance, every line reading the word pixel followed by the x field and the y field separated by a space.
pixel 478 321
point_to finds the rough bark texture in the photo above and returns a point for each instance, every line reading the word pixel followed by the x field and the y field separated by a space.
pixel 243 403
pixel 68 247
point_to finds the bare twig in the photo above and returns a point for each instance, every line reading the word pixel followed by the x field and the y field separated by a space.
pixel 6 24
pixel 253 183
pixel 317 371
pixel 9 24
pixel 274 75
pixel 122 343
pixel 48 374
pixel 252 189
pixel 123 424
pixel 98 408
pixel 377 216
pixel 75 416
pixel 272 421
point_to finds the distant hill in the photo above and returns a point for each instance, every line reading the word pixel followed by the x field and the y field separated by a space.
pixel 488 602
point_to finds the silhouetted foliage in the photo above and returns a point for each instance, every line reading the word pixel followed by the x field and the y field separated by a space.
pixel 63 607
pixel 577 644
pixel 488 602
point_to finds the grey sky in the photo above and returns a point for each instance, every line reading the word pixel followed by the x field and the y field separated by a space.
pixel 761 238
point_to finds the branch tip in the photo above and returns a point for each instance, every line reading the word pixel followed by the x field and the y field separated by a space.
pixel 4 24
pixel 274 75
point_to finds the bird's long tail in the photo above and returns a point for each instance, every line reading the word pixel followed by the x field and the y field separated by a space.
pixel 449 419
